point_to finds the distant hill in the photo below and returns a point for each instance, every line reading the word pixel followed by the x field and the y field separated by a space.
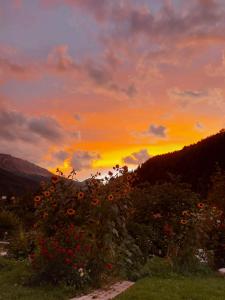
pixel 195 163
pixel 17 165
pixel 18 176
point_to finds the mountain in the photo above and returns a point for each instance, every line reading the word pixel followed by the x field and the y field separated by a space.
pixel 18 176
pixel 195 164
pixel 17 165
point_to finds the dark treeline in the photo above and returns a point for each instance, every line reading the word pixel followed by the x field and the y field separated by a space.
pixel 195 164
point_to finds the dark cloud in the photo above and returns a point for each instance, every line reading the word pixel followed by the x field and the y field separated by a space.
pixel 16 126
pixel 190 93
pixel 7 65
pixel 169 24
pixel 13 126
pixel 47 128
pixel 137 158
pixel 158 130
pixel 83 160
pixel 61 155
pixel 212 96
pixel 102 75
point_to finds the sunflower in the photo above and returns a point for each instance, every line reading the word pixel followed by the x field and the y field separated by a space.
pixel 37 199
pixel 47 193
pixel 95 202
pixel 200 205
pixel 52 189
pixel 70 212
pixel 110 197
pixel 55 179
pixel 80 195
pixel 183 222
pixel 129 177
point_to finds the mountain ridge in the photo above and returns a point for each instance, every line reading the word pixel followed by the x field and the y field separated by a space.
pixel 14 164
pixel 195 164
pixel 19 176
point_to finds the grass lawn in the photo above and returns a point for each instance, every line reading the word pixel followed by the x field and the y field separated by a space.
pixel 13 274
pixel 177 288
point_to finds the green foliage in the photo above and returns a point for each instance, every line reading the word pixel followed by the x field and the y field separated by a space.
pixel 157 266
pixel 15 283
pixel 21 245
pixel 170 220
pixel 9 224
pixel 216 198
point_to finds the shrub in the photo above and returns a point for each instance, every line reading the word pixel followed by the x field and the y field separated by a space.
pixel 9 224
pixel 81 233
pixel 171 221
pixel 21 246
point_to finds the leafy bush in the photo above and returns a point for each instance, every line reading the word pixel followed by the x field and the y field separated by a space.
pixel 21 246
pixel 169 220
pixel 9 224
pixel 81 234
pixel 157 266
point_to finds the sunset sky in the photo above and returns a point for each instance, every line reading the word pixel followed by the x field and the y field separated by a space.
pixel 92 83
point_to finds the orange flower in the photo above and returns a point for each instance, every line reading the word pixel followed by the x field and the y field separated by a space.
pixel 37 199
pixel 80 195
pixel 52 189
pixel 110 197
pixel 185 213
pixel 129 177
pixel 183 222
pixel 70 212
pixel 200 205
pixel 55 179
pixel 95 202
pixel 47 193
